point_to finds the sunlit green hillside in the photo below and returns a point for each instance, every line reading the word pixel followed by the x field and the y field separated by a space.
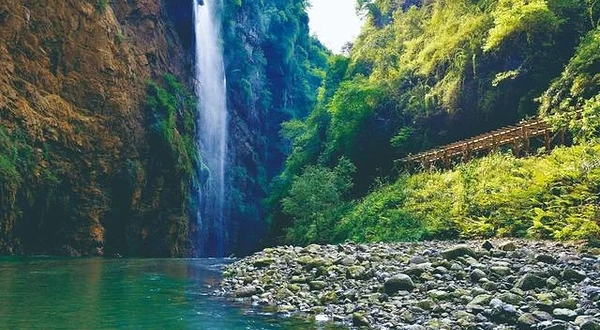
pixel 426 73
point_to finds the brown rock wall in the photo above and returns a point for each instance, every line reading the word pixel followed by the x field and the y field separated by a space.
pixel 72 85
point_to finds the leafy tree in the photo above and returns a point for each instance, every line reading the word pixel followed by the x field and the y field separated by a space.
pixel 575 90
pixel 315 200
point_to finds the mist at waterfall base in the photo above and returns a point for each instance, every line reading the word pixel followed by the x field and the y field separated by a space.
pixel 212 129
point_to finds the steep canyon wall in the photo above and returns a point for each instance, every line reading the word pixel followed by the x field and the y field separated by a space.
pixel 97 122
pixel 76 174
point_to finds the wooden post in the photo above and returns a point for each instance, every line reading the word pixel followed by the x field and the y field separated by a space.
pixel 547 140
pixel 467 153
pixel 525 136
pixel 517 147
pixel 408 165
pixel 446 159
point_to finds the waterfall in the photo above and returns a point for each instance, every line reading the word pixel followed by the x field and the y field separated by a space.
pixel 212 127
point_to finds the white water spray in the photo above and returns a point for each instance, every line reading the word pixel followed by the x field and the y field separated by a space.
pixel 212 128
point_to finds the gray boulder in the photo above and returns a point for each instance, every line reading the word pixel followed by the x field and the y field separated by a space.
pixel 458 251
pixel 399 282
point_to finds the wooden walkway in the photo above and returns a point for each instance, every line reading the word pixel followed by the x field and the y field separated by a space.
pixel 518 137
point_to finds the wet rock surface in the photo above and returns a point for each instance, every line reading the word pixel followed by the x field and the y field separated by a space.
pixel 495 284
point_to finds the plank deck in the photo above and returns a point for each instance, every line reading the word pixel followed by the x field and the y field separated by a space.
pixel 518 136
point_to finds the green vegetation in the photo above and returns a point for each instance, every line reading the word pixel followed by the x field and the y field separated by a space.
pixel 315 135
pixel 171 171
pixel 274 68
pixel 101 5
pixel 554 196
pixel 548 197
pixel 10 182
pixel 577 88
pixel 172 125
pixel 28 193
pixel 315 199
pixel 422 74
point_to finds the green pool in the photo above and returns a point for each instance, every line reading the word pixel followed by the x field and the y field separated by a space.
pixel 96 293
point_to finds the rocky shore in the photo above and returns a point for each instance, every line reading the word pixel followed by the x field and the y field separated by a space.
pixel 428 285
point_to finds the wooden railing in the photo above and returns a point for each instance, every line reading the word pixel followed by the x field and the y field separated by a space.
pixel 517 136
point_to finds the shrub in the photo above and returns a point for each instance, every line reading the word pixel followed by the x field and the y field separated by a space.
pixel 316 201
pixel 549 197
pixel 101 5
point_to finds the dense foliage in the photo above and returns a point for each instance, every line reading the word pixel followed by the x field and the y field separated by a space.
pixel 425 73
pixel 551 197
pixel 577 89
pixel 274 68
pixel 82 169
pixel 316 199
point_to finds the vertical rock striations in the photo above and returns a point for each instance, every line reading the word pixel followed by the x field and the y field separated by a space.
pixel 76 171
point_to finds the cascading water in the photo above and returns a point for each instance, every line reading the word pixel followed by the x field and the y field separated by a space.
pixel 212 128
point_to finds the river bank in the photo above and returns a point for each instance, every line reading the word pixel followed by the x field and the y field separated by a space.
pixel 493 284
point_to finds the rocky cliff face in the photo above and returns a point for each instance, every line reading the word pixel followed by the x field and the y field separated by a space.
pixel 76 171
pixel 97 152
pixel 274 69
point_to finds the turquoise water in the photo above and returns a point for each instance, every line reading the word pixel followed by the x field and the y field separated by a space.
pixel 96 293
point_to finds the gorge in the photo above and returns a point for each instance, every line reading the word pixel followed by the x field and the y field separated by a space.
pixel 98 126
pixel 106 150
pixel 139 136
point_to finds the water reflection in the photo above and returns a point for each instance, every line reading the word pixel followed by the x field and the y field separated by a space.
pixel 121 294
